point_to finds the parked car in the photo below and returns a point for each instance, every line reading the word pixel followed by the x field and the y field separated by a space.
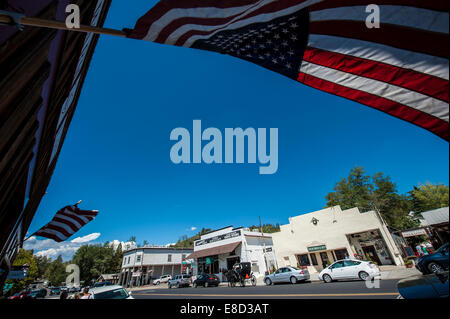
pixel 102 284
pixel 180 281
pixel 39 293
pixel 287 274
pixel 110 292
pixel 54 291
pixel 349 269
pixel 206 280
pixel 162 279
pixel 434 263
pixel 24 294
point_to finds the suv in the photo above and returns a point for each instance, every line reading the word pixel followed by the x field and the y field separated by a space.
pixel 163 278
pixel 180 281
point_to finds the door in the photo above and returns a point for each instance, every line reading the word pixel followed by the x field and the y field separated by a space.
pixel 351 269
pixel 278 275
pixel 337 270
pixel 324 257
pixel 370 250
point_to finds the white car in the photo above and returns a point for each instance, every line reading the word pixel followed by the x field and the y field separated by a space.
pixel 162 279
pixel 349 269
pixel 287 274
pixel 110 292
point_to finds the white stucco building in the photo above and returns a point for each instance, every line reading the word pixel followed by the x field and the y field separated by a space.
pixel 140 265
pixel 220 249
pixel 321 237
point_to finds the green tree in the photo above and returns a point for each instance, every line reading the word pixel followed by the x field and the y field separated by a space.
pixel 373 192
pixel 43 263
pixel 94 260
pixel 429 196
pixel 56 272
pixel 132 239
pixel 118 257
pixel 24 258
pixel 353 191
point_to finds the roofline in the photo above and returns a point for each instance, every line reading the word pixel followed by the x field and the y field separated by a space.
pixel 158 248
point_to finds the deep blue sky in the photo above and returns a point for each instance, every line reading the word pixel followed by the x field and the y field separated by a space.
pixel 116 154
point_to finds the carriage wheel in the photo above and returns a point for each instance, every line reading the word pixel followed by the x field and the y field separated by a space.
pixel 253 281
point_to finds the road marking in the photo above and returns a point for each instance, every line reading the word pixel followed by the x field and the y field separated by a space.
pixel 275 295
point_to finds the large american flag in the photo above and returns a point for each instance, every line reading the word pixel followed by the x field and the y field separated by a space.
pixel 400 68
pixel 66 222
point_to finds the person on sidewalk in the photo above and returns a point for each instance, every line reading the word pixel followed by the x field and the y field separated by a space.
pixel 419 250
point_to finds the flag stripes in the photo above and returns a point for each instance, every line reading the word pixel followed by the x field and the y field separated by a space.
pixel 66 222
pixel 400 68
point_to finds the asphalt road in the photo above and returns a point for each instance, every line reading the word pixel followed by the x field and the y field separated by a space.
pixel 349 289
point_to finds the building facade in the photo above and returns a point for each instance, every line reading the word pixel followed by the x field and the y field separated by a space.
pixel 141 265
pixel 319 238
pixel 219 250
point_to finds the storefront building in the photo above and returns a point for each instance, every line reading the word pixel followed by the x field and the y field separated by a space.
pixel 317 239
pixel 141 265
pixel 219 250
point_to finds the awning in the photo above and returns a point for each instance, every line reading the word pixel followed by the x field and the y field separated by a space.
pixel 228 248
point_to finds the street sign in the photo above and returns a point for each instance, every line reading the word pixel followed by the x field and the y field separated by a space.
pixel 316 248
pixel 209 260
pixel 17 274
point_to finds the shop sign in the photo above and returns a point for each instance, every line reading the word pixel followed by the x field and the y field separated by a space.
pixel 268 250
pixel 209 260
pixel 136 274
pixel 412 233
pixel 316 248
pixel 214 239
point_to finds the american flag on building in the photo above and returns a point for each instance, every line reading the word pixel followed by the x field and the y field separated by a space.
pixel 400 68
pixel 66 222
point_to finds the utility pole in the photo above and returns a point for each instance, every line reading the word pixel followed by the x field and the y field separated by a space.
pixel 264 244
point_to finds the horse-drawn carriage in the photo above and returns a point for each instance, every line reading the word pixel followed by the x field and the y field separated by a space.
pixel 241 273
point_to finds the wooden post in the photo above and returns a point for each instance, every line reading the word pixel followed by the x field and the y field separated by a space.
pixel 42 23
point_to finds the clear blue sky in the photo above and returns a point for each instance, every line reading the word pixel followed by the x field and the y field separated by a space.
pixel 116 155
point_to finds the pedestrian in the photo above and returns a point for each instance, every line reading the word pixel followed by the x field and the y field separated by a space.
pixel 77 296
pixel 86 294
pixel 424 249
pixel 64 294
pixel 419 250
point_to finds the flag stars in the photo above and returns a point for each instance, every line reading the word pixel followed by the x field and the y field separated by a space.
pixel 294 25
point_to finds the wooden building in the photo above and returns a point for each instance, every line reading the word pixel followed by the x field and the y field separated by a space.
pixel 41 76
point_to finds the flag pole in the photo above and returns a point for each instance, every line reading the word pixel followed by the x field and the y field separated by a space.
pixel 19 20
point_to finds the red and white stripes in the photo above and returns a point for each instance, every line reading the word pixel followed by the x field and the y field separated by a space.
pixel 66 222
pixel 401 68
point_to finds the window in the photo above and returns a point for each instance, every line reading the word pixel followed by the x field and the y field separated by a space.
pixel 128 259
pixel 138 258
pixel 169 258
pixel 183 257
pixel 124 261
pixel 341 254
pixel 339 264
pixel 286 270
pixel 303 260
pixel 349 263
pixel 313 259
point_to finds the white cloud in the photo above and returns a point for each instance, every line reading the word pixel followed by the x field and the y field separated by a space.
pixel 193 228
pixel 52 249
pixel 86 238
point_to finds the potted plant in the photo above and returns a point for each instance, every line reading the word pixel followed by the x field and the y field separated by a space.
pixel 409 263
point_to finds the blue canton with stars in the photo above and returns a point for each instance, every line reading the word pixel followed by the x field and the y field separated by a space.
pixel 277 45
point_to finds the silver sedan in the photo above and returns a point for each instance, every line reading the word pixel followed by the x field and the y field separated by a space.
pixel 287 274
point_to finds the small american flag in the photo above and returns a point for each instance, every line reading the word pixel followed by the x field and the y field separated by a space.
pixel 400 68
pixel 66 222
